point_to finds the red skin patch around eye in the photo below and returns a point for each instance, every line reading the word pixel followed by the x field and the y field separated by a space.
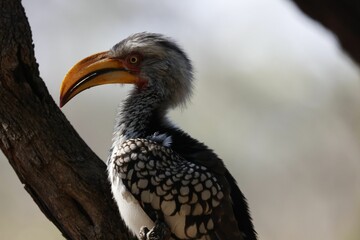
pixel 136 68
pixel 129 64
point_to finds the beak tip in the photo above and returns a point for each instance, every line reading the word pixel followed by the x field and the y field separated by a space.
pixel 62 103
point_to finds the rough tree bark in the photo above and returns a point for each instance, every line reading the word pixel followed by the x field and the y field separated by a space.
pixel 63 176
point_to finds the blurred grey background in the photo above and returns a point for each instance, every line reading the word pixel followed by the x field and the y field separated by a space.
pixel 275 97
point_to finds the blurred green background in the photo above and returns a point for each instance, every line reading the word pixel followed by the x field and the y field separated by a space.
pixel 275 97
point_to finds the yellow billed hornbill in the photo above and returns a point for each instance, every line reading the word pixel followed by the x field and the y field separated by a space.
pixel 158 173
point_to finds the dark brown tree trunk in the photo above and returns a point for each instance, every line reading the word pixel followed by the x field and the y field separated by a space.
pixel 64 177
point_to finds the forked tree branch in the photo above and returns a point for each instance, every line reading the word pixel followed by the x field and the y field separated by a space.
pixel 61 173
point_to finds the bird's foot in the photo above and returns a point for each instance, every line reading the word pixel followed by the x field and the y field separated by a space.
pixel 159 232
pixel 143 233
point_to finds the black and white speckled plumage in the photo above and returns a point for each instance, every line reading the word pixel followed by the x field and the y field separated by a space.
pixel 166 185
pixel 159 168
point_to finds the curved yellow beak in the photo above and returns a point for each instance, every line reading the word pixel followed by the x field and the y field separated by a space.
pixel 92 71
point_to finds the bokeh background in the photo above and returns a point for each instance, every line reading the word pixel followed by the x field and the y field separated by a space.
pixel 275 97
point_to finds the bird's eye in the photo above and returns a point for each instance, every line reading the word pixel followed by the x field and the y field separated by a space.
pixel 133 59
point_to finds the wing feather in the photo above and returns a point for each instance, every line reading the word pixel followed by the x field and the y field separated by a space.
pixel 185 195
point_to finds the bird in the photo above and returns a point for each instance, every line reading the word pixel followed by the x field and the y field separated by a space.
pixel 158 172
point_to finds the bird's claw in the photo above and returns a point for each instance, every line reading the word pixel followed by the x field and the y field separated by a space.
pixel 159 232
pixel 143 233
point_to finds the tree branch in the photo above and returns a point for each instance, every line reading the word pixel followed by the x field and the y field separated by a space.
pixel 342 17
pixel 64 177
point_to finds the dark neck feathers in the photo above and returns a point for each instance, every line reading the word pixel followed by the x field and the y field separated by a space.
pixel 139 114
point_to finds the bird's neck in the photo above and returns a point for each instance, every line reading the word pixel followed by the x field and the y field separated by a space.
pixel 139 116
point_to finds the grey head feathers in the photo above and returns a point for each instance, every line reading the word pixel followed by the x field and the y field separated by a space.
pixel 165 66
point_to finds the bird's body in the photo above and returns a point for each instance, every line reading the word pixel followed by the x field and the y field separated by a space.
pixel 157 171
